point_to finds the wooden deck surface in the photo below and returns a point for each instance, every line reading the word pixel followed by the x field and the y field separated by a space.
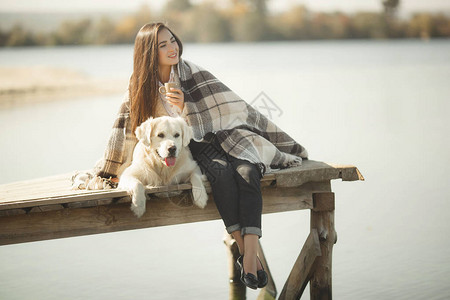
pixel 46 208
pixel 56 189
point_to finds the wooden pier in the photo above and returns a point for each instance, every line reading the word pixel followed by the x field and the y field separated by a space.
pixel 46 208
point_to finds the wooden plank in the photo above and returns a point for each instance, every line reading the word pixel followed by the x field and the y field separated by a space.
pixel 74 198
pixel 312 171
pixel 69 196
pixel 302 270
pixel 66 197
pixel 56 189
pixel 101 219
pixel 294 198
pixel 70 222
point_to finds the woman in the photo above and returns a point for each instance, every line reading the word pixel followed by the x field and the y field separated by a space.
pixel 233 144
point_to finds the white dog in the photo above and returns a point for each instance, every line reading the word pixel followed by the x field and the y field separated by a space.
pixel 162 157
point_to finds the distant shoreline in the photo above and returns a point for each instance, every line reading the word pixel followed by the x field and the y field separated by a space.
pixel 26 85
pixel 237 22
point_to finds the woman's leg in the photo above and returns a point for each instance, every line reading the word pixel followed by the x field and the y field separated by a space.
pixel 249 242
pixel 220 173
pixel 251 251
pixel 239 240
pixel 248 178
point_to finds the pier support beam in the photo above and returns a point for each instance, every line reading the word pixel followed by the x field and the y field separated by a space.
pixel 303 268
pixel 322 220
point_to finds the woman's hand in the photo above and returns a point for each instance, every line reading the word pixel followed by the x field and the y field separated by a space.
pixel 176 97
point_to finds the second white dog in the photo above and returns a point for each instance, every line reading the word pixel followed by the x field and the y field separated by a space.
pixel 162 157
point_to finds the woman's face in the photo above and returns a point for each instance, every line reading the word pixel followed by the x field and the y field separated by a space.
pixel 167 48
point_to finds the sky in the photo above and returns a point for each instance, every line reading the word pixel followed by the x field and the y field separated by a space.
pixel 407 6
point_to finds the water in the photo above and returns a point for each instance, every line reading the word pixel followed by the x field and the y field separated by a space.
pixel 382 106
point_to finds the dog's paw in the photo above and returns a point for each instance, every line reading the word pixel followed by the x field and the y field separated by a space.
pixel 138 198
pixel 200 196
pixel 138 210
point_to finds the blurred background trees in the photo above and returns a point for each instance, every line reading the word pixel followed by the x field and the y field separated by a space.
pixel 238 20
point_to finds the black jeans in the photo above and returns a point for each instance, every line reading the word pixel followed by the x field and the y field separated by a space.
pixel 235 185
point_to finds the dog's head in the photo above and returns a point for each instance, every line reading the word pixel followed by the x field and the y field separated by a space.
pixel 165 137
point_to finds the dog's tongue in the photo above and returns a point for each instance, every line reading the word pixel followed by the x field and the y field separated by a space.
pixel 170 161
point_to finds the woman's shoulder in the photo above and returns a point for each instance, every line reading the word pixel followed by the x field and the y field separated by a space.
pixel 192 67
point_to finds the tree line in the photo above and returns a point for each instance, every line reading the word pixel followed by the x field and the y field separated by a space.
pixel 239 21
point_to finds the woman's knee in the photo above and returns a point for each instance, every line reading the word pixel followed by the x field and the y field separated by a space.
pixel 220 171
pixel 249 172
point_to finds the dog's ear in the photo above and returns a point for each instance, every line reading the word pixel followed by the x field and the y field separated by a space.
pixel 188 134
pixel 143 132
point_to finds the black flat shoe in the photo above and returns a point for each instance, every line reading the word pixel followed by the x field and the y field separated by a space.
pixel 248 279
pixel 262 276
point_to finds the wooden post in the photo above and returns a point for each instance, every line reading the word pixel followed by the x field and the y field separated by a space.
pixel 322 219
pixel 302 270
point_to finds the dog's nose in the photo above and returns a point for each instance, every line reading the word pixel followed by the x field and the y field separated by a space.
pixel 172 150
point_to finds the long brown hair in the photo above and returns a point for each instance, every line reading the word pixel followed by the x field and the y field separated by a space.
pixel 143 87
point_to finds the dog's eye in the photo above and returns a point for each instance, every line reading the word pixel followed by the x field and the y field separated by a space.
pixel 161 135
pixel 176 135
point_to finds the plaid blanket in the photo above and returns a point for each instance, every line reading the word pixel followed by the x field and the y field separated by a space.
pixel 211 106
pixel 242 131
pixel 120 146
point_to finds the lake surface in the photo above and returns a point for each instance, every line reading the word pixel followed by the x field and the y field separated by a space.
pixel 383 106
